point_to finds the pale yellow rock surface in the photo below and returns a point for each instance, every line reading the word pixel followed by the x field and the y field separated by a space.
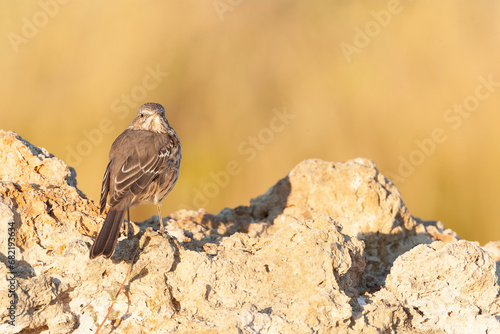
pixel 455 288
pixel 329 249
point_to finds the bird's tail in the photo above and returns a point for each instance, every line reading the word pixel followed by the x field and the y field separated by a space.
pixel 105 242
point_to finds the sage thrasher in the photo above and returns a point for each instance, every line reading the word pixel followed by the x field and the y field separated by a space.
pixel 143 166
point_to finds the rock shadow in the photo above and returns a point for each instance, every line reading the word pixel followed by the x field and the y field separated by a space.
pixel 253 219
pixel 380 252
pixel 17 268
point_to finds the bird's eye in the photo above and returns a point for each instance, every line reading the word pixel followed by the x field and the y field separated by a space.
pixel 142 115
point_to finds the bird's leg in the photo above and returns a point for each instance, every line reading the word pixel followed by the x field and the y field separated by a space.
pixel 162 229
pixel 130 231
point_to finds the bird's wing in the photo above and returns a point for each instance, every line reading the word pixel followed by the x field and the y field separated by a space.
pixel 136 173
pixel 104 188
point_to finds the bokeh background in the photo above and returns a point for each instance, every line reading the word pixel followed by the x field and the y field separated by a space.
pixel 255 87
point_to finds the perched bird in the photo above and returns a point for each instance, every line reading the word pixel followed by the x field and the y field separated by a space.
pixel 143 166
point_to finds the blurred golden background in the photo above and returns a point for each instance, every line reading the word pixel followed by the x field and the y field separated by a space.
pixel 254 87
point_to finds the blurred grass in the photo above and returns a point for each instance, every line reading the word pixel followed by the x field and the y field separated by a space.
pixel 225 78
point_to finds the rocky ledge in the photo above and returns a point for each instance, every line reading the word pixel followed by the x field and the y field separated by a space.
pixel 330 248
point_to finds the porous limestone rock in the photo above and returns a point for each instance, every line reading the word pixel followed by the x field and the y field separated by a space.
pixel 448 286
pixel 41 190
pixel 307 272
pixel 311 255
pixel 493 248
pixel 366 204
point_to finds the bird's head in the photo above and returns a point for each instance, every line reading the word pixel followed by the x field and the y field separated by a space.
pixel 150 117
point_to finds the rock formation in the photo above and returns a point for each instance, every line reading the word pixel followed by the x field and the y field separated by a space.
pixel 330 248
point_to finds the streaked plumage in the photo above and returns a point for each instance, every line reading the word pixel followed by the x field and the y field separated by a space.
pixel 143 166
